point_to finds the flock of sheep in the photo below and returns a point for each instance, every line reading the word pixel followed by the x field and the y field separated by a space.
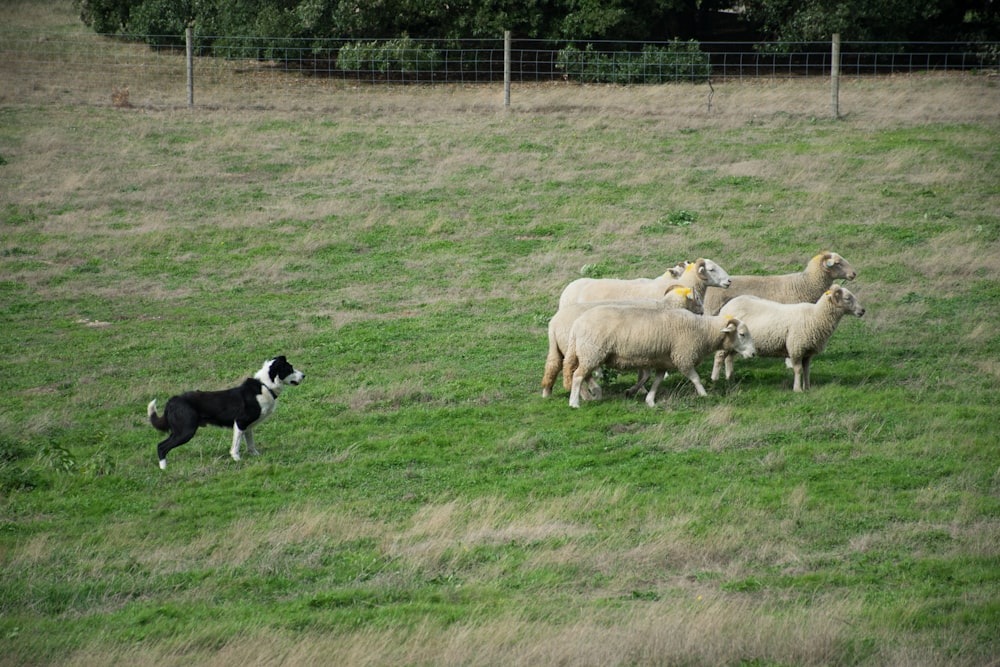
pixel 694 309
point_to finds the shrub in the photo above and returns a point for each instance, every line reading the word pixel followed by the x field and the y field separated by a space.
pixel 398 56
pixel 678 61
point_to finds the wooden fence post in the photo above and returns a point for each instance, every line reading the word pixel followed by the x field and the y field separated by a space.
pixel 835 76
pixel 506 69
pixel 189 44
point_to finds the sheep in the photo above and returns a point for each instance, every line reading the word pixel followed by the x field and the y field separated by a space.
pixel 805 286
pixel 797 331
pixel 697 275
pixel 633 337
pixel 676 296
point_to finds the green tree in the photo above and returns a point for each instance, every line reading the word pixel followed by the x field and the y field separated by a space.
pixel 876 20
pixel 637 20
pixel 577 20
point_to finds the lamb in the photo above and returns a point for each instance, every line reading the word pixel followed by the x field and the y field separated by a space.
pixel 697 275
pixel 624 336
pixel 806 286
pixel 676 296
pixel 797 331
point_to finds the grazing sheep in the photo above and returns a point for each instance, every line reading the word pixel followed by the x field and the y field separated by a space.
pixel 634 337
pixel 676 296
pixel 797 331
pixel 697 275
pixel 803 287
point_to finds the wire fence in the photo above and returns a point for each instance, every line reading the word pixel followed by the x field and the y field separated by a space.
pixel 153 70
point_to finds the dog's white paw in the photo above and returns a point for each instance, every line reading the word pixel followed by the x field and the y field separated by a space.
pixel 163 464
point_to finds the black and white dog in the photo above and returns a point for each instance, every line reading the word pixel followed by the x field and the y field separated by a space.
pixel 241 407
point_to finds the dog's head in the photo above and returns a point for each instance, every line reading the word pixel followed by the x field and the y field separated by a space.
pixel 280 372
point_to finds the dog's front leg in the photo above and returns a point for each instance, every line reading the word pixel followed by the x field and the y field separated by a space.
pixel 248 434
pixel 237 436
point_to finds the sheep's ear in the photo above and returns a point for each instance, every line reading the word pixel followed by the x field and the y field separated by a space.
pixel 731 324
pixel 830 260
pixel 700 263
pixel 680 290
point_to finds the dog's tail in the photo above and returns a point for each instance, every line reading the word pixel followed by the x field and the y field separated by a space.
pixel 158 422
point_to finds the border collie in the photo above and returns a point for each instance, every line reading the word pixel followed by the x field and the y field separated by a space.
pixel 241 407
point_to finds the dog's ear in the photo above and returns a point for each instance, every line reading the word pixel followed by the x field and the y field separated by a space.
pixel 281 359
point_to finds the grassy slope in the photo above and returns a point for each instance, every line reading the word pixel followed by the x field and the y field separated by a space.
pixel 417 501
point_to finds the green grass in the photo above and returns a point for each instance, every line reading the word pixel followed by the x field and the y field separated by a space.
pixel 416 500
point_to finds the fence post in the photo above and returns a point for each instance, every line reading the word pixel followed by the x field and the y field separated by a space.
pixel 835 76
pixel 189 44
pixel 506 69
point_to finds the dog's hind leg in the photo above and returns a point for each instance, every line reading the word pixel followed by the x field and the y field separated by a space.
pixel 182 421
pixel 238 434
pixel 175 440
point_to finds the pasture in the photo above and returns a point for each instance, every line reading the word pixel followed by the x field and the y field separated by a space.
pixel 416 500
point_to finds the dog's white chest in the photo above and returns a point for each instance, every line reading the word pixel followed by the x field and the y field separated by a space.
pixel 267 404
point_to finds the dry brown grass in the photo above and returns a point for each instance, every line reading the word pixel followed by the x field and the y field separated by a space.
pixel 696 631
pixel 65 64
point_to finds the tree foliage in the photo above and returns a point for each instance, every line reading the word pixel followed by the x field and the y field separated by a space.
pixel 577 20
pixel 876 20
pixel 639 20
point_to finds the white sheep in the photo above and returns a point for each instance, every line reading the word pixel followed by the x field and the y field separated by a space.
pixel 676 296
pixel 632 337
pixel 797 331
pixel 803 287
pixel 698 275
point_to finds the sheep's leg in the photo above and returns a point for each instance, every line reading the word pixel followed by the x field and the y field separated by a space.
pixel 806 363
pixel 720 357
pixel 797 367
pixel 552 367
pixel 692 374
pixel 574 393
pixel 640 385
pixel 729 366
pixel 651 394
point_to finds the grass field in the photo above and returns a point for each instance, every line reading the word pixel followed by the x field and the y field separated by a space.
pixel 416 501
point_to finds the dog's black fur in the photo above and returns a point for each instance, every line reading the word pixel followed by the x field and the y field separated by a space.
pixel 241 408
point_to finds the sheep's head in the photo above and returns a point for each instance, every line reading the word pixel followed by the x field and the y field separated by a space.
pixel 836 266
pixel 684 297
pixel 676 272
pixel 738 338
pixel 710 272
pixel 845 300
